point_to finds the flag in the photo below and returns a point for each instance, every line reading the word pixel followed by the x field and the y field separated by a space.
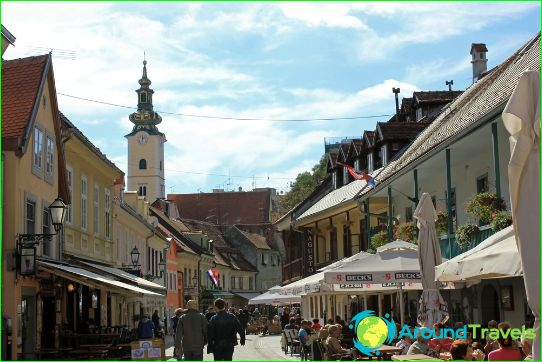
pixel 359 176
pixel 214 275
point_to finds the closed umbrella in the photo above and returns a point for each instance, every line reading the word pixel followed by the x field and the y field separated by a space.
pixel 432 308
pixel 522 120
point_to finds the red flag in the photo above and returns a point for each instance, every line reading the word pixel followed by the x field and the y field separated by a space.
pixel 358 176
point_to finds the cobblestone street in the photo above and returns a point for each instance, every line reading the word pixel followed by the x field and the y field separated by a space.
pixel 259 348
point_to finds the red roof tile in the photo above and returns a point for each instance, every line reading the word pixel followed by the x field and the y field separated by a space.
pixel 225 208
pixel 21 80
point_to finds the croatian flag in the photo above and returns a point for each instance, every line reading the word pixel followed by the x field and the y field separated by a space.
pixel 214 275
pixel 359 176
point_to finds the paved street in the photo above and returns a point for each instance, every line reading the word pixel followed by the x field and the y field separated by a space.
pixel 260 348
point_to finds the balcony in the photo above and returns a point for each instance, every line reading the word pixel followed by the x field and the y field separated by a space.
pixel 450 249
pixel 292 269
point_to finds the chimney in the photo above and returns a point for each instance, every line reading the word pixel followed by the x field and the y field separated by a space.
pixel 479 60
pixel 396 91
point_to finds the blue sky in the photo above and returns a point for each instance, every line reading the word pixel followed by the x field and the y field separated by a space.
pixel 267 60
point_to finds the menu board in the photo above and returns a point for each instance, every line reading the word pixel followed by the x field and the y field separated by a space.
pixel 148 349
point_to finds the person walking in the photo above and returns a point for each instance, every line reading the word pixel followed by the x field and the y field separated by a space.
pixel 243 318
pixel 191 334
pixel 175 321
pixel 210 313
pixel 222 333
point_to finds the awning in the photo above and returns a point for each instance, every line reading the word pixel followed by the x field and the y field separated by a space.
pixel 247 296
pixel 89 278
pixel 127 276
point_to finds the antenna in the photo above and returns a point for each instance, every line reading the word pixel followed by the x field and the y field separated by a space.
pixel 449 84
pixel 396 91
pixel 57 53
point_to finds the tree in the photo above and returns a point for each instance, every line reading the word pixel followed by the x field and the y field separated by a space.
pixel 304 184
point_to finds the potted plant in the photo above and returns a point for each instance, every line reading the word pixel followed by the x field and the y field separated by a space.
pixel 465 233
pixel 408 232
pixel 379 239
pixel 501 220
pixel 442 223
pixel 484 206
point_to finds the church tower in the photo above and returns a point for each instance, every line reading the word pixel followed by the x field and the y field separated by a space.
pixel 146 146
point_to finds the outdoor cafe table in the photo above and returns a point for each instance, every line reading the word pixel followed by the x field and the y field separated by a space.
pixel 387 351
pixel 413 357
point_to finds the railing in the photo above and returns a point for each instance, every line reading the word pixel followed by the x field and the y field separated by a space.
pixel 292 269
pixel 450 248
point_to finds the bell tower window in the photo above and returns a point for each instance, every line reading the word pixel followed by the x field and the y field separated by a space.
pixel 142 164
pixel 143 97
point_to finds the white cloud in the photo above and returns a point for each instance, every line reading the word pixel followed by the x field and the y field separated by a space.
pixel 322 14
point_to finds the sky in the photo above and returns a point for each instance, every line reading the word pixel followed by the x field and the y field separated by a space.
pixel 264 61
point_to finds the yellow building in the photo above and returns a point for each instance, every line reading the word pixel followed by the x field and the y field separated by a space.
pixel 33 177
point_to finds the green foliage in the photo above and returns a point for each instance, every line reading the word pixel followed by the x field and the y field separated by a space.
pixel 501 220
pixel 465 233
pixel 484 206
pixel 304 184
pixel 442 223
pixel 408 232
pixel 379 239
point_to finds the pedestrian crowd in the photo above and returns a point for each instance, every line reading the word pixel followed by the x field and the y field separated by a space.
pixel 217 329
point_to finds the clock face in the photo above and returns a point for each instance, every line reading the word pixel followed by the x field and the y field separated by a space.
pixel 142 139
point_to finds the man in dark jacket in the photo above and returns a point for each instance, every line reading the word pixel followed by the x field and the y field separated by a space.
pixel 222 333
pixel 243 317
pixel 191 333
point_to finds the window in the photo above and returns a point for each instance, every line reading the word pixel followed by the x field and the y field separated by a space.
pixel 264 259
pixel 49 157
pixel 241 282
pixel 345 176
pixel 148 258
pixel 38 149
pixel 30 217
pixel 357 166
pixel 250 286
pixel 370 162
pixel 419 114
pixel 46 226
pixel 333 247
pixel 334 179
pixel 143 164
pixel 384 153
pixel 143 97
pixel 107 206
pixel 96 209
pixel 482 183
pixel 84 191
pixel 69 175
pixel 142 191
pixel 232 282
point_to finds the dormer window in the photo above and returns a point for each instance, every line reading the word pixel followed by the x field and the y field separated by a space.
pixel 334 179
pixel 384 154
pixel 419 114
pixel 357 166
pixel 345 176
pixel 143 97
pixel 370 162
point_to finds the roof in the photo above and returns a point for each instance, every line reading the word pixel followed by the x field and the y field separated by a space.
pixel 257 240
pixel 67 124
pixel 180 244
pixel 8 35
pixel 478 47
pixel 235 259
pixel 356 146
pixel 436 96
pixel 400 131
pixel 332 159
pixel 225 208
pixel 22 82
pixel 211 230
pixel 484 98
pixel 369 136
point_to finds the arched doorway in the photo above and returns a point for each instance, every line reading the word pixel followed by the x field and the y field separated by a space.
pixel 490 300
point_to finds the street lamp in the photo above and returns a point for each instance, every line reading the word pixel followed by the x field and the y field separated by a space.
pixel 26 243
pixel 162 267
pixel 135 256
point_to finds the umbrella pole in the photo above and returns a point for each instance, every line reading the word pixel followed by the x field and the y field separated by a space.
pixel 401 306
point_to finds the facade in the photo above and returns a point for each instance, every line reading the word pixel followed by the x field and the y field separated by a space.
pixel 450 161
pixel 146 146
pixel 259 253
pixel 226 208
pixel 32 151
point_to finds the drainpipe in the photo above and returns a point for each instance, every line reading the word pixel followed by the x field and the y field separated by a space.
pixel 390 219
pixel 449 200
pixel 496 165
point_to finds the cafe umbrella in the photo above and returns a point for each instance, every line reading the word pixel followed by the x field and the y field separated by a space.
pixel 432 308
pixel 395 262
